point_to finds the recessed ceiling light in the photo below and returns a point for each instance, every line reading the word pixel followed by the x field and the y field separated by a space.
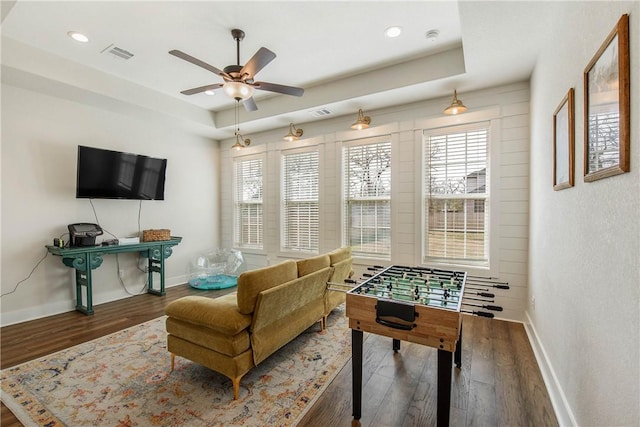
pixel 78 36
pixel 432 35
pixel 393 32
pixel 209 92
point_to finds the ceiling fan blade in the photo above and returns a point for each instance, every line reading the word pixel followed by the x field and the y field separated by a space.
pixel 201 89
pixel 257 62
pixel 250 104
pixel 273 87
pixel 199 63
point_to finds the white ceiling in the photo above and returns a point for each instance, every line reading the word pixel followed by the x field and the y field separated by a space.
pixel 336 51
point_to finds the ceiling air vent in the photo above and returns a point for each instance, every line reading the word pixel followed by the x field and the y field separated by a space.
pixel 322 112
pixel 117 52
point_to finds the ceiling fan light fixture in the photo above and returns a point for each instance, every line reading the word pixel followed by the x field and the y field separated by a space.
pixel 294 133
pixel 238 90
pixel 456 106
pixel 362 122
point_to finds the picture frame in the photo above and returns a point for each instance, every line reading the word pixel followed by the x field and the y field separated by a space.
pixel 607 107
pixel 564 142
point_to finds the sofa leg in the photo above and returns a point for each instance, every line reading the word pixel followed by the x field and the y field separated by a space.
pixel 323 323
pixel 173 361
pixel 236 387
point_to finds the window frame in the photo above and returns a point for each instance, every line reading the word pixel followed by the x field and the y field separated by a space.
pixel 344 208
pixel 488 196
pixel 284 247
pixel 237 234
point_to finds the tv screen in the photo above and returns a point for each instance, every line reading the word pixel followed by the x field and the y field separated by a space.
pixel 107 174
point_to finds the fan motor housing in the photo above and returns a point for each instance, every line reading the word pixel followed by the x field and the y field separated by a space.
pixel 232 69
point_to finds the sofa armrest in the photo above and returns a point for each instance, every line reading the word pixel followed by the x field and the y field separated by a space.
pixel 219 314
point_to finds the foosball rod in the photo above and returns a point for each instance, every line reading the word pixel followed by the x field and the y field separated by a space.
pixel 411 287
pixel 406 292
pixel 412 295
pixel 478 299
pixel 487 306
pixel 480 294
pixel 487 279
pixel 479 313
pixel 485 285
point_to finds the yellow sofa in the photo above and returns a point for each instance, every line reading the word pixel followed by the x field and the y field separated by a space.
pixel 273 305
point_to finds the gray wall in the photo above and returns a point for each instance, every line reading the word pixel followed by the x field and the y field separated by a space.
pixel 40 135
pixel 584 258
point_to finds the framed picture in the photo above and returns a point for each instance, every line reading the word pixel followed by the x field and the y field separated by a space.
pixel 606 112
pixel 564 142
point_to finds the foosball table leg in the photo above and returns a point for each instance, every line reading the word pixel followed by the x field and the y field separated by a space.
pixel 458 354
pixel 444 387
pixel 396 345
pixel 356 372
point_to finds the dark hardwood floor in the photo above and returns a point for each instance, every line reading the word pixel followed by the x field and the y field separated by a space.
pixel 499 383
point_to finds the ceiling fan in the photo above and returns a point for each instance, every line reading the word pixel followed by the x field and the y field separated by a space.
pixel 239 80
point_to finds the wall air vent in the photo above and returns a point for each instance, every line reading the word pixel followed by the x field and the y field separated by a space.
pixel 117 52
pixel 321 112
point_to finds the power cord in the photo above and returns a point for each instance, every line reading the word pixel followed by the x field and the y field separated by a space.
pixel 117 259
pixel 28 277
pixel 144 286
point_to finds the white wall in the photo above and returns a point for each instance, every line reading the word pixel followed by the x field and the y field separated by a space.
pixel 507 107
pixel 40 135
pixel 584 254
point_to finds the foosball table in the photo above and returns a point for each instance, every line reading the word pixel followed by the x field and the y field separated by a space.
pixel 420 305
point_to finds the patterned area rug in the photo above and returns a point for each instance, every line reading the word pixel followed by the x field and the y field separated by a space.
pixel 124 379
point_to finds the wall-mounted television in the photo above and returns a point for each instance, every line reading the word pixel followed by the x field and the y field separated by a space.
pixel 107 174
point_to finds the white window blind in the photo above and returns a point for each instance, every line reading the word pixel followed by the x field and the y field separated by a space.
pixel 300 216
pixel 604 147
pixel 456 198
pixel 248 221
pixel 367 199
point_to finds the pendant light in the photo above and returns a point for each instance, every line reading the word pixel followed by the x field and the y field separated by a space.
pixel 456 106
pixel 294 133
pixel 362 122
pixel 241 141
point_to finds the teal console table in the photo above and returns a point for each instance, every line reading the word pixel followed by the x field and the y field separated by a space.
pixel 85 259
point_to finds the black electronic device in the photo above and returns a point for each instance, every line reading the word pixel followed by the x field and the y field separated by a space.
pixel 108 174
pixel 84 234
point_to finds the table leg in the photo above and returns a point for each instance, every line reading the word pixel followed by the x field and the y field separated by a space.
pixel 444 387
pixel 458 354
pixel 396 345
pixel 86 283
pixel 356 371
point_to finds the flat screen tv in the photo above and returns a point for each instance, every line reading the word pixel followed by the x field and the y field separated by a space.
pixel 107 174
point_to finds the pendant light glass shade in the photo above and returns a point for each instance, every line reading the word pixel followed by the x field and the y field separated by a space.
pixel 362 122
pixel 456 106
pixel 294 134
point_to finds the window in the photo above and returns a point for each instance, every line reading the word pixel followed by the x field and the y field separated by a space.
pixel 248 220
pixel 456 198
pixel 367 199
pixel 300 217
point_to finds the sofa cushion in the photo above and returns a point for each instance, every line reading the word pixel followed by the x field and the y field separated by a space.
pixel 229 345
pixel 310 265
pixel 251 283
pixel 220 314
pixel 339 254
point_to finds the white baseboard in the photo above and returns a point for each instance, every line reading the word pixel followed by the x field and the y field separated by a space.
pixel 558 399
pixel 51 309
